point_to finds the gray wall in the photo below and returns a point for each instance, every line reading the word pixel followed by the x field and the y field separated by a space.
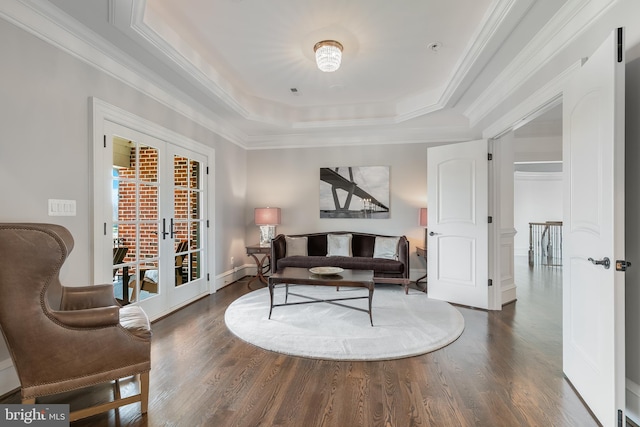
pixel 290 179
pixel 45 148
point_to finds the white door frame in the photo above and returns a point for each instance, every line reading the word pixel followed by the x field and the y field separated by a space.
pixel 104 112
pixel 545 99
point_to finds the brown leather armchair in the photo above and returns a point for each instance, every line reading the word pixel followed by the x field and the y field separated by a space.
pixel 65 338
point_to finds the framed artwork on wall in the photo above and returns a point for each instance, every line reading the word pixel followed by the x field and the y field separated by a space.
pixel 354 192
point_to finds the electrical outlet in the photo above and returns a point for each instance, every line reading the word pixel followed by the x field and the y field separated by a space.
pixel 232 264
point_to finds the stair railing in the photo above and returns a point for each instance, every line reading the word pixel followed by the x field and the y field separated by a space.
pixel 545 243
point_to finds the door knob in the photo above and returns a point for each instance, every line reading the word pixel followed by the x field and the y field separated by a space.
pixel 605 262
pixel 431 233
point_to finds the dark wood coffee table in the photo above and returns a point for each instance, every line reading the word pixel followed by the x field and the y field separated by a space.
pixel 302 276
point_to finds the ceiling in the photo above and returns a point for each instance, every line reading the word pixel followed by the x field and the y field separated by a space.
pixel 411 69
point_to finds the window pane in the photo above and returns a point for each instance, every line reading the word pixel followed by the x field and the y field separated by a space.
pixel 123 152
pixel 148 202
pixel 181 203
pixel 195 265
pixel 148 164
pixel 195 230
pixel 194 174
pixel 125 237
pixel 194 203
pixel 149 279
pixel 148 241
pixel 180 232
pixel 125 203
pixel 180 171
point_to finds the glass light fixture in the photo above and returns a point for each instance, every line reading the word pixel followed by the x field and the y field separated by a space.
pixel 267 219
pixel 328 55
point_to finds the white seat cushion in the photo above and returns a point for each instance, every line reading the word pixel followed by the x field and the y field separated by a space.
pixel 135 320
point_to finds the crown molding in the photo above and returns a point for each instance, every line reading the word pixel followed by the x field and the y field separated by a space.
pixel 540 101
pixel 432 136
pixel 563 28
pixel 481 41
pixel 48 23
pixel 130 19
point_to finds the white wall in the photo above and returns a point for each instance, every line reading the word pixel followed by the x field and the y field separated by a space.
pixel 290 179
pixel 45 151
pixel 537 198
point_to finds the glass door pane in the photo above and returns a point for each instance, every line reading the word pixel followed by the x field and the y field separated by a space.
pixel 136 220
pixel 187 218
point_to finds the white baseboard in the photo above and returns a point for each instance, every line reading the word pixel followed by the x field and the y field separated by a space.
pixel 8 377
pixel 230 276
pixel 632 397
pixel 416 273
pixel 509 294
pixel 518 251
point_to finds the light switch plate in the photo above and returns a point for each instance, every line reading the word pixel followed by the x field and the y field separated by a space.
pixel 62 207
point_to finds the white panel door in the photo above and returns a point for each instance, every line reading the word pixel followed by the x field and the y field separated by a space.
pixel 187 226
pixel 457 189
pixel 134 215
pixel 593 294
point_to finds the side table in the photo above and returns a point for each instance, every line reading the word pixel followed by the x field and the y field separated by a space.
pixel 422 252
pixel 263 264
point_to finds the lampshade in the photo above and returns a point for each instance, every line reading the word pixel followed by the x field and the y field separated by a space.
pixel 328 55
pixel 423 217
pixel 267 216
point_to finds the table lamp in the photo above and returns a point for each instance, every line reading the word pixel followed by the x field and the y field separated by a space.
pixel 267 219
pixel 423 223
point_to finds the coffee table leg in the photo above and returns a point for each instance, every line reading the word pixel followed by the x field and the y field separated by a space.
pixel 370 299
pixel 270 298
pixel 286 292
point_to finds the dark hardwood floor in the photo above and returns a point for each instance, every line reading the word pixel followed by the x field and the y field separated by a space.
pixel 505 370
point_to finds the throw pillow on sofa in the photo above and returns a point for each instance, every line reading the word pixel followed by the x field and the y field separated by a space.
pixel 339 244
pixel 386 247
pixel 296 246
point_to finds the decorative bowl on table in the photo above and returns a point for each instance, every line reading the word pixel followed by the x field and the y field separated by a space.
pixel 326 271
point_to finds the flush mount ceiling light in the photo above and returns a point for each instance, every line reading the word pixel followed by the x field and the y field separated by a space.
pixel 328 55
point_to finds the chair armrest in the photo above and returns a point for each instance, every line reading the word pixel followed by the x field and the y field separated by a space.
pixel 278 250
pixel 90 318
pixel 83 297
pixel 403 255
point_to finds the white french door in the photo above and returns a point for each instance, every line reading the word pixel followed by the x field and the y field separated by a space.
pixel 187 224
pixel 457 186
pixel 151 200
pixel 593 291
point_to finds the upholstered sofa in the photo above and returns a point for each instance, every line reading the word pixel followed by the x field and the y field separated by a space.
pixel 387 256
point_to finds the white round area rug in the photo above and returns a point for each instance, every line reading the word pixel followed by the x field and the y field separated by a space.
pixel 403 325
